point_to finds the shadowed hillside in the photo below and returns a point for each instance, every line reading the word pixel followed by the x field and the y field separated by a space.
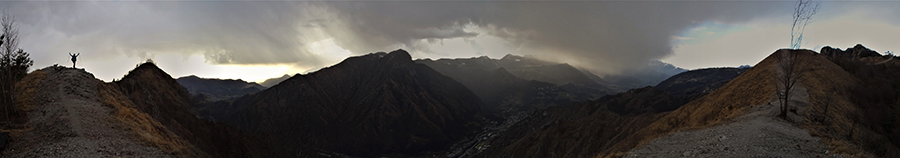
pixel 857 122
pixel 576 130
pixel 516 83
pixel 154 92
pixel 71 113
pixel 695 83
pixel 753 87
pixel 856 102
pixel 373 105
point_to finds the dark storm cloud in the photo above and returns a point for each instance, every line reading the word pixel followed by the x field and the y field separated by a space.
pixel 375 26
pixel 243 32
pixel 603 36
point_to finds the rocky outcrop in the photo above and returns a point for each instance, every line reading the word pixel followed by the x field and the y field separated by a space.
pixel 858 51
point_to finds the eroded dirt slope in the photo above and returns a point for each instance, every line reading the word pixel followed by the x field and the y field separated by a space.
pixel 759 133
pixel 68 121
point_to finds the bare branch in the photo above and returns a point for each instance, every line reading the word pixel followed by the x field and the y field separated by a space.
pixel 803 12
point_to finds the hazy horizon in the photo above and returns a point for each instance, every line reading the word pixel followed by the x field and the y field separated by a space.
pixel 254 41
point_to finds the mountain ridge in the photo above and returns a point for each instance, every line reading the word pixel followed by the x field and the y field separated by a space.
pixel 214 89
pixel 371 105
pixel 829 83
pixel 273 81
pixel 156 93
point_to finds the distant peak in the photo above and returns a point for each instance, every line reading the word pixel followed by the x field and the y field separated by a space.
pixel 190 76
pixel 511 56
pixel 858 51
pixel 400 54
pixel 147 66
pixel 400 50
pixel 855 47
pixel 397 56
pixel 147 71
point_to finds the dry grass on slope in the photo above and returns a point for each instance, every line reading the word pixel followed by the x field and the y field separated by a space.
pixel 754 87
pixel 27 89
pixel 848 126
pixel 835 82
pixel 142 125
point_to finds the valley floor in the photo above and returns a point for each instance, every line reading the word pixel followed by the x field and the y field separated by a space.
pixel 69 122
pixel 759 133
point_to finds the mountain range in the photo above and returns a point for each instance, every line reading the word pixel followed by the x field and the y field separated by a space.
pixel 146 113
pixel 379 104
pixel 154 92
pixel 578 129
pixel 648 75
pixel 515 84
pixel 211 89
pixel 389 105
pixel 695 83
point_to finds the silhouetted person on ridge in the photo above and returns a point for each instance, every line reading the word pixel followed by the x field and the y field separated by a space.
pixel 73 58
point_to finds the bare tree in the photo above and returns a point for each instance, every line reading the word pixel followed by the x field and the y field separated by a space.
pixel 14 63
pixel 804 10
pixel 10 42
pixel 2 88
pixel 788 73
pixel 823 118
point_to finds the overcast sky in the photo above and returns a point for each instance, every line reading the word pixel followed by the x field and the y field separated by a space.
pixel 258 40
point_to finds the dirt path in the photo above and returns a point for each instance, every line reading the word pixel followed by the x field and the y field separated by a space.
pixel 759 133
pixel 69 122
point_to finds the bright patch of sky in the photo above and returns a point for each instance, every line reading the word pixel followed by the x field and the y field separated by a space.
pixel 178 65
pixel 328 51
pixel 467 47
pixel 707 31
pixel 712 44
pixel 730 48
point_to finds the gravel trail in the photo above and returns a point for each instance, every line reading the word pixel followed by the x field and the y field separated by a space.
pixel 759 133
pixel 69 122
